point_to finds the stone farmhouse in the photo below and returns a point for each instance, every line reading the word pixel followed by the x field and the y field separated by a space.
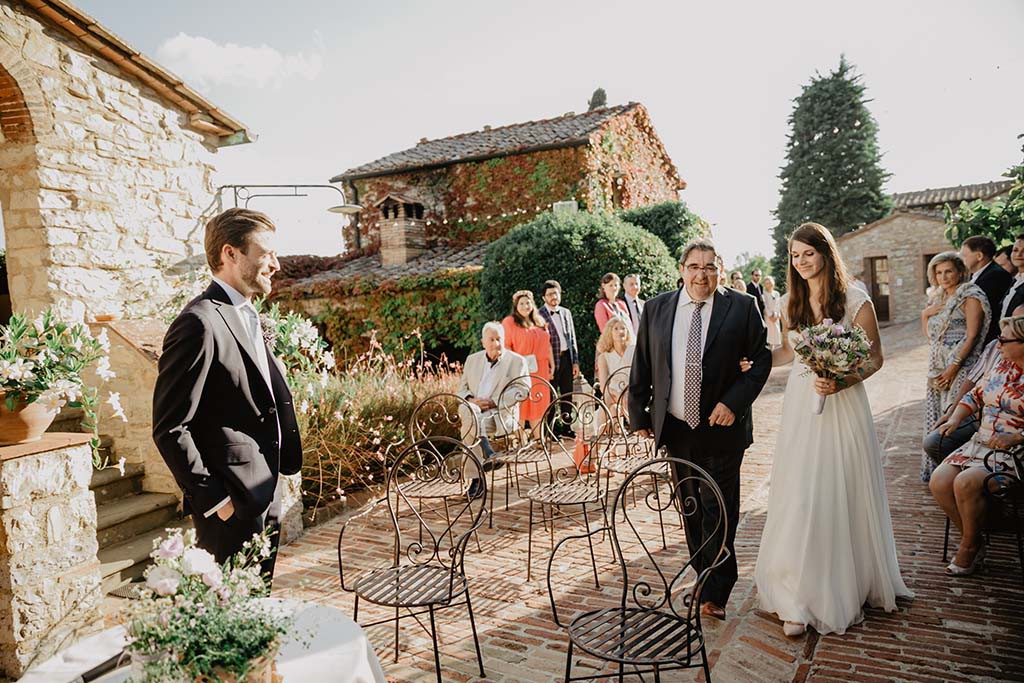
pixel 433 208
pixel 892 254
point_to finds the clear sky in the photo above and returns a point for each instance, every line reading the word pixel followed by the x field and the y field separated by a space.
pixel 332 84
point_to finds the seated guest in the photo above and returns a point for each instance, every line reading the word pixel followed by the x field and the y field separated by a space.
pixel 938 445
pixel 483 377
pixel 526 333
pixel 608 302
pixel 957 483
pixel 1004 261
pixel 614 351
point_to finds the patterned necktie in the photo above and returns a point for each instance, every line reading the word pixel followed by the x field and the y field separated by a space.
pixel 691 399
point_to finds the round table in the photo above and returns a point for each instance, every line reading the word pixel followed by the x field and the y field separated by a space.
pixel 323 645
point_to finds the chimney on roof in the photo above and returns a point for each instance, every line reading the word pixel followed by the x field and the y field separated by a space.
pixel 422 140
pixel 402 231
pixel 487 127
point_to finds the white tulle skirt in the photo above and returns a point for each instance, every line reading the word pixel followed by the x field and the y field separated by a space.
pixel 827 546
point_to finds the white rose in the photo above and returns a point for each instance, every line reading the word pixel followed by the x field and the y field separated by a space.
pixel 214 578
pixel 163 580
pixel 197 561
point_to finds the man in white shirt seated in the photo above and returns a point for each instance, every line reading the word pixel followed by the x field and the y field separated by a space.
pixel 484 377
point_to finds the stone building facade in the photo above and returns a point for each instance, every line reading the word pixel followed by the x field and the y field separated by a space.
pixel 474 187
pixel 105 163
pixel 891 255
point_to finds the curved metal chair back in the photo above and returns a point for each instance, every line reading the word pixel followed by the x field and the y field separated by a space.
pixel 656 579
pixel 617 383
pixel 437 535
pixel 591 419
pixel 523 389
pixel 442 415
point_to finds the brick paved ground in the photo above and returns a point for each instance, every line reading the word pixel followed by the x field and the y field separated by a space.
pixel 970 629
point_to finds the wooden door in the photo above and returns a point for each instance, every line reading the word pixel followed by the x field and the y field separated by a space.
pixel 877 269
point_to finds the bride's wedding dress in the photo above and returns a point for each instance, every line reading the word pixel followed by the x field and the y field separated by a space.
pixel 827 546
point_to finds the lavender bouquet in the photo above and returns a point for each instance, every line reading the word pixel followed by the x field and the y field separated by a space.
pixel 833 351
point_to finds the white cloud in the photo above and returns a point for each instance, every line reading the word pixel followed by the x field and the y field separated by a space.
pixel 204 63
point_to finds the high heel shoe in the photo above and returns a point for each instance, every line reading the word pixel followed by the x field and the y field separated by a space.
pixel 976 564
pixel 793 629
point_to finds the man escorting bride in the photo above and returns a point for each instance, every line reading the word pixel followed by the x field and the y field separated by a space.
pixel 827 547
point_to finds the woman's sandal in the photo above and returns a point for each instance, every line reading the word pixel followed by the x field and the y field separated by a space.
pixel 956 570
pixel 792 629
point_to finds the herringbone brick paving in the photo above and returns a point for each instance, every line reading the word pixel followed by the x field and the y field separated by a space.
pixel 971 629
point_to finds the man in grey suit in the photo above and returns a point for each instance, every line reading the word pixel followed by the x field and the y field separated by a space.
pixel 687 391
pixel 223 418
pixel 562 332
pixel 490 409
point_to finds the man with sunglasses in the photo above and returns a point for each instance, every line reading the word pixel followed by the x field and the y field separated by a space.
pixel 938 445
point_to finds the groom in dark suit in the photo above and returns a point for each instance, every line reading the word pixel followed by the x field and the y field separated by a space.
pixel 686 391
pixel 223 418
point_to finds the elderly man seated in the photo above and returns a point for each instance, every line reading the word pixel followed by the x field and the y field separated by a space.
pixel 484 376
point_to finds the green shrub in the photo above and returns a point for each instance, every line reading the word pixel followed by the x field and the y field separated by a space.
pixel 575 249
pixel 671 222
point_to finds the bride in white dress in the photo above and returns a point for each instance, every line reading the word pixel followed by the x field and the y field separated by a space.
pixel 827 546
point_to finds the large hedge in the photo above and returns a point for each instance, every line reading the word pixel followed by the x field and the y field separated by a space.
pixel 672 222
pixel 575 249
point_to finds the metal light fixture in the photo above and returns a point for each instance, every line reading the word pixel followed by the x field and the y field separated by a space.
pixel 244 194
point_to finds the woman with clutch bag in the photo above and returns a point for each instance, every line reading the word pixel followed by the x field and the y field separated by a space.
pixel 526 333
pixel 955 321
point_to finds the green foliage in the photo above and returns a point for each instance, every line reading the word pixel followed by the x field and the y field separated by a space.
pixel 598 99
pixel 576 249
pixel 747 263
pixel 833 173
pixel 1002 220
pixel 671 222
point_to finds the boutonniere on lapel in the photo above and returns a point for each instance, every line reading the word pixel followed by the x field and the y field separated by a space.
pixel 269 327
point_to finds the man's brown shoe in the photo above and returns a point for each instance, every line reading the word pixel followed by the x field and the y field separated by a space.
pixel 710 609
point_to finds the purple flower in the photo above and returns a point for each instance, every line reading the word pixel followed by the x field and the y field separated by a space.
pixel 170 548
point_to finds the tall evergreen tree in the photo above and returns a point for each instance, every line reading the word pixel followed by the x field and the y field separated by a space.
pixel 598 99
pixel 833 173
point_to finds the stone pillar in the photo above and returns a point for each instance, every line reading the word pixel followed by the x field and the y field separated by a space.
pixel 50 592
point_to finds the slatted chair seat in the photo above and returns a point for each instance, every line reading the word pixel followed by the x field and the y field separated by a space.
pixel 627 463
pixel 530 453
pixel 411 586
pixel 575 492
pixel 432 488
pixel 638 636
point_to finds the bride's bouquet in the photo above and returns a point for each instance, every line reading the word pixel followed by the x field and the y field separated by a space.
pixel 832 351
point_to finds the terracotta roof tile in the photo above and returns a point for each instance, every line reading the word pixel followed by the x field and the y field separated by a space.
pixel 933 198
pixel 490 142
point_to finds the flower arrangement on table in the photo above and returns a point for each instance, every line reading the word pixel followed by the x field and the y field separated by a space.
pixel 198 621
pixel 42 361
pixel 833 351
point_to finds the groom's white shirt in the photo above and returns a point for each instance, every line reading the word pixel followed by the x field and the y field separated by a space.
pixel 680 335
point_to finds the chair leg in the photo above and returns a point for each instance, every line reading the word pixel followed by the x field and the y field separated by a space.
pixel 355 612
pixel 568 663
pixel 657 674
pixel 590 542
pixel 704 662
pixel 529 543
pixel 661 518
pixel 551 535
pixel 622 668
pixel 396 635
pixel 490 521
pixel 433 637
pixel 1020 542
pixel 476 640
pixel 945 544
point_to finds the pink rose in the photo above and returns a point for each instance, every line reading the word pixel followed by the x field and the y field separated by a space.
pixel 170 548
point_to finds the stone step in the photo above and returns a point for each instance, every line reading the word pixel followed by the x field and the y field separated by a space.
pixel 68 420
pixel 123 519
pixel 108 484
pixel 127 561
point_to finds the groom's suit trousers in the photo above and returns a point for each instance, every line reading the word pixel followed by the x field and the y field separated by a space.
pixel 702 527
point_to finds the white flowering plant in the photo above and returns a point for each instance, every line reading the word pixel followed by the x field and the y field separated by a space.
pixel 196 617
pixel 297 343
pixel 42 360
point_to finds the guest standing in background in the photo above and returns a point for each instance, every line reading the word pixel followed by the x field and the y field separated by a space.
pixel 737 282
pixel 858 282
pixel 955 324
pixel 562 332
pixel 608 302
pixel 1004 259
pixel 755 289
pixel 772 313
pixel 977 253
pixel 526 333
pixel 1015 297
pixel 634 304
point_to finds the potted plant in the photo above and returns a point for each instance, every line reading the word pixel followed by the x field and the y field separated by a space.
pixel 197 621
pixel 41 366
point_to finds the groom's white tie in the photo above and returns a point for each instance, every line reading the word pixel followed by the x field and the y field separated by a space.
pixel 692 376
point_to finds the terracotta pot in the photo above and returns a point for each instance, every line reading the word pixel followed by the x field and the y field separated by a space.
pixel 263 670
pixel 24 424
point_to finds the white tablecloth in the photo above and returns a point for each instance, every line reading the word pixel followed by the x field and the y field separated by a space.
pixel 338 650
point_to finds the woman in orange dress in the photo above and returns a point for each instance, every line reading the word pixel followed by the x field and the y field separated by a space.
pixel 526 333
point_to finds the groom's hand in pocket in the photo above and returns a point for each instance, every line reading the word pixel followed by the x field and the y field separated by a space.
pixel 721 416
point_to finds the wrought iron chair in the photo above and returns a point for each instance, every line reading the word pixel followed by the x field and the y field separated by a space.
pixel 423 576
pixel 656 625
pixel 518 446
pixel 1004 486
pixel 577 484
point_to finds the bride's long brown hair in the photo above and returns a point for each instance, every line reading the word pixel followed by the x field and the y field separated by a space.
pixel 833 304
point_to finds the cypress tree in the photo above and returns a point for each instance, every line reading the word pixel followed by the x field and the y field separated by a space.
pixel 833 173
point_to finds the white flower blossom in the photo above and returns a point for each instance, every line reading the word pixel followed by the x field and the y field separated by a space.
pixel 114 401
pixel 104 340
pixel 103 369
pixel 170 548
pixel 163 580
pixel 120 465
pixel 214 578
pixel 197 561
pixel 304 407
pixel 52 400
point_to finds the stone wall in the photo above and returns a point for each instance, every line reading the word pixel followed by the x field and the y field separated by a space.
pixel 108 190
pixel 49 575
pixel 905 239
